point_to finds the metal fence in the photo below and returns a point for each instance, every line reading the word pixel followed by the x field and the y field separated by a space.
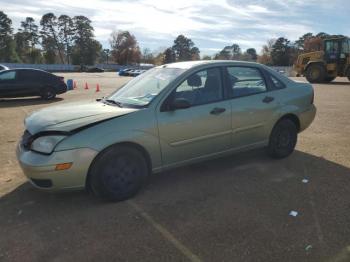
pixel 116 67
pixel 46 67
pixel 286 70
pixel 72 68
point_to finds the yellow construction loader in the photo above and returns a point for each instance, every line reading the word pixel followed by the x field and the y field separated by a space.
pixel 324 66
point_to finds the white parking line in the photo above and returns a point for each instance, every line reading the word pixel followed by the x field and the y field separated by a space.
pixel 166 234
pixel 314 213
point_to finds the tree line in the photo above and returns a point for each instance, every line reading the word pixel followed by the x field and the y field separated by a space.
pixel 276 52
pixel 61 39
pixel 70 40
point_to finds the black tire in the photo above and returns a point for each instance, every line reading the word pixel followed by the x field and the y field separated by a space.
pixel 329 79
pixel 315 73
pixel 348 74
pixel 118 173
pixel 48 93
pixel 283 139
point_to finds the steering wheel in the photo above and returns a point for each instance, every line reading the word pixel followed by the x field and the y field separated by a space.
pixel 260 83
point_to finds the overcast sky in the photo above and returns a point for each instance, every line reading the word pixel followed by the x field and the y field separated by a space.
pixel 211 24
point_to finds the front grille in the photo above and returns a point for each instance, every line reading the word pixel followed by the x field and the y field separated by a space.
pixel 26 140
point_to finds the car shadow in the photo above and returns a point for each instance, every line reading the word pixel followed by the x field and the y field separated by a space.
pixel 336 83
pixel 240 202
pixel 15 102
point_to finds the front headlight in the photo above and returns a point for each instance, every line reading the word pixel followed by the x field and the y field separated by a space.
pixel 46 144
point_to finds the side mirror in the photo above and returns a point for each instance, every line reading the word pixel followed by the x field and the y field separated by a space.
pixel 180 103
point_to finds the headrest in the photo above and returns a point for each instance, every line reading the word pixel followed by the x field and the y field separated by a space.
pixel 194 80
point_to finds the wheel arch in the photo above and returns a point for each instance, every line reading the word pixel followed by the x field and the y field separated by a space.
pixel 293 117
pixel 311 63
pixel 44 88
pixel 133 145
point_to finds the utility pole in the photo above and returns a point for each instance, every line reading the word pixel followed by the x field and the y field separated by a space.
pixel 107 52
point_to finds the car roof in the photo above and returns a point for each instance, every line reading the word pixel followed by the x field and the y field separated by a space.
pixel 190 64
pixel 194 64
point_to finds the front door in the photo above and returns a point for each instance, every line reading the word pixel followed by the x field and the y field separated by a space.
pixel 332 51
pixel 28 82
pixel 344 56
pixel 202 129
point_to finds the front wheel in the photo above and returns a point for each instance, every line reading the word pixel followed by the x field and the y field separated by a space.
pixel 315 73
pixel 283 139
pixel 118 173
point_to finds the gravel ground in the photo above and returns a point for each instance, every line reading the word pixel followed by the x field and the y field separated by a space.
pixel 230 209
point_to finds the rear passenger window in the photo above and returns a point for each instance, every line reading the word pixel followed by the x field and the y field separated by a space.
pixel 277 84
pixel 8 75
pixel 244 81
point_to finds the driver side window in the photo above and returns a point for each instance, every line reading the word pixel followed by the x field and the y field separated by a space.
pixel 202 87
pixel 244 81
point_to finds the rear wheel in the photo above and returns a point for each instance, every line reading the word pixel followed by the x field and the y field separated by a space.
pixel 48 93
pixel 283 139
pixel 315 73
pixel 118 173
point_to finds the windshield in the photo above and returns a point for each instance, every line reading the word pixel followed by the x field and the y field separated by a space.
pixel 143 89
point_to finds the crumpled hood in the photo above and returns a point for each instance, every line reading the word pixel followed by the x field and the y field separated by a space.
pixel 67 117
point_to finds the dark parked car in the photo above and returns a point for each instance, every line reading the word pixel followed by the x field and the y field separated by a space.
pixel 91 69
pixel 30 82
pixel 95 70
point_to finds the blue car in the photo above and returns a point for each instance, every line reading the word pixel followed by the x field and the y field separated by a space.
pixel 124 72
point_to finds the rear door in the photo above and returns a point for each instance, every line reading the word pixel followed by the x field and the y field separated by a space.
pixel 252 105
pixel 29 81
pixel 8 86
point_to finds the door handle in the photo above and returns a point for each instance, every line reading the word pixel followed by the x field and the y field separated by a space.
pixel 217 110
pixel 268 99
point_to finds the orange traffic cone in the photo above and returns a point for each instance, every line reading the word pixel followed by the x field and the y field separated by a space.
pixel 97 88
pixel 86 85
pixel 75 85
